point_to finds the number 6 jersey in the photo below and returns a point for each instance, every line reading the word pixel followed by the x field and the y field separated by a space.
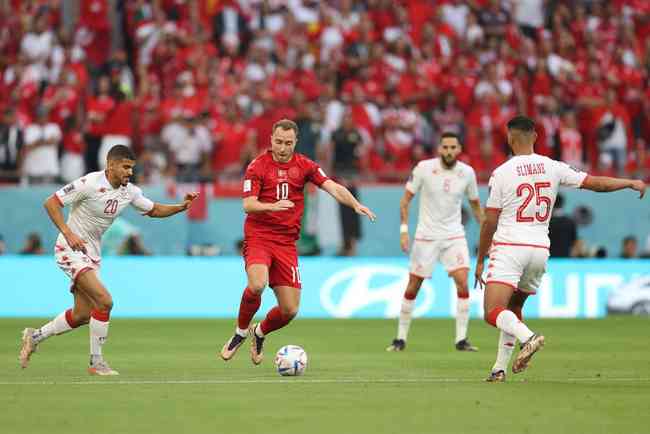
pixel 271 181
pixel 95 204
pixel 524 188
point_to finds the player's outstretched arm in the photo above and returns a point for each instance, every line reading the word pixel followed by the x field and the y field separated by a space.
pixel 605 184
pixel 488 228
pixel 160 210
pixel 53 207
pixel 343 195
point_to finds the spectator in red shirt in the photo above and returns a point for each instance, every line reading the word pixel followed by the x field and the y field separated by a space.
pixel 98 108
pixel 233 141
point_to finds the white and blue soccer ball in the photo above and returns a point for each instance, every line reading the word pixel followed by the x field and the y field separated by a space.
pixel 291 360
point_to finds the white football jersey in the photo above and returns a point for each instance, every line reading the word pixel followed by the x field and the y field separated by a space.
pixel 524 188
pixel 441 196
pixel 95 204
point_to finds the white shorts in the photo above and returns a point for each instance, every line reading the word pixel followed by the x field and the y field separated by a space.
pixel 520 267
pixel 73 263
pixel 453 254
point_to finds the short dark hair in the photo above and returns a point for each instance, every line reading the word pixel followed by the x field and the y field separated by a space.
pixel 521 123
pixel 120 152
pixel 629 238
pixel 450 135
pixel 285 124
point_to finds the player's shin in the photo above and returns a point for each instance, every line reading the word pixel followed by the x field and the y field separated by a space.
pixel 274 320
pixel 507 321
pixel 405 315
pixel 462 316
pixel 64 322
pixel 98 333
pixel 504 351
pixel 250 303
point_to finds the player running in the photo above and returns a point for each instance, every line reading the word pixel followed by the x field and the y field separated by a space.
pixel 440 237
pixel 515 231
pixel 97 199
pixel 273 202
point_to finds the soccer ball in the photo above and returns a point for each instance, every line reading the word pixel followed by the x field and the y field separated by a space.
pixel 291 360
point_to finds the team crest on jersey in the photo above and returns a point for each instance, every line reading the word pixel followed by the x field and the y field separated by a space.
pixel 68 188
pixel 102 190
pixel 294 173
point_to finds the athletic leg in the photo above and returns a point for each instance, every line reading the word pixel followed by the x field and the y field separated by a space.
pixel 406 312
pixel 70 319
pixel 258 261
pixel 284 278
pixel 507 341
pixel 88 283
pixel 423 255
pixel 462 309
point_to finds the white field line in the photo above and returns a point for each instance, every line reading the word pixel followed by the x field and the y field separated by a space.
pixel 303 380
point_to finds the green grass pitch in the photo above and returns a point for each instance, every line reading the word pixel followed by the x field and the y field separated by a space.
pixel 593 376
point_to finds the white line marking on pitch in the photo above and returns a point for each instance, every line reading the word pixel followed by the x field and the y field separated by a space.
pixel 320 381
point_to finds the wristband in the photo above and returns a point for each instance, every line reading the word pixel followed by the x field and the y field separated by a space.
pixel 403 228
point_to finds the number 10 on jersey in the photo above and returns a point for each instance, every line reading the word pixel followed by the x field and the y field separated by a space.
pixel 282 191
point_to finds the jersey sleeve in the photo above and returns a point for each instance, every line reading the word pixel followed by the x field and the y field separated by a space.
pixel 140 202
pixel 495 196
pixel 316 174
pixel 252 180
pixel 74 192
pixel 472 186
pixel 569 176
pixel 414 182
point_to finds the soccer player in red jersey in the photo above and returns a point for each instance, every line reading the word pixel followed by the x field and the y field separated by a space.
pixel 273 201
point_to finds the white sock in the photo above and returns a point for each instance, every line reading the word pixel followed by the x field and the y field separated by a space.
pixel 57 326
pixel 98 336
pixel 509 323
pixel 504 352
pixel 405 316
pixel 258 331
pixel 241 332
pixel 462 318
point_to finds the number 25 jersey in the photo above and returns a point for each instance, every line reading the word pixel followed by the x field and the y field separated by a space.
pixel 272 181
pixel 524 188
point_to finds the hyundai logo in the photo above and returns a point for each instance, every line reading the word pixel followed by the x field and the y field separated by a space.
pixel 353 289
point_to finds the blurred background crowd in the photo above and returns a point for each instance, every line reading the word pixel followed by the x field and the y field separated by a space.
pixel 194 86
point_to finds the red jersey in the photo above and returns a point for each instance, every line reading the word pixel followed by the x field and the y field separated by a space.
pixel 272 181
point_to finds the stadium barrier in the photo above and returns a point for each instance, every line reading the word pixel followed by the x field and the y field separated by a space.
pixel 332 287
pixel 22 212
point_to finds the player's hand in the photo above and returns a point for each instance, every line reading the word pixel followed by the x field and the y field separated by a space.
pixel 478 275
pixel 75 243
pixel 404 242
pixel 189 198
pixel 281 205
pixel 364 210
pixel 639 186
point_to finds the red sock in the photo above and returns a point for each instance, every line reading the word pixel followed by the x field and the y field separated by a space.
pixel 250 302
pixel 274 320
pixel 70 320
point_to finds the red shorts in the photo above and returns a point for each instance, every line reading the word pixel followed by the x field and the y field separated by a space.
pixel 282 260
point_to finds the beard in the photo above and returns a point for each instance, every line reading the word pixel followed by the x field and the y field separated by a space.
pixel 448 161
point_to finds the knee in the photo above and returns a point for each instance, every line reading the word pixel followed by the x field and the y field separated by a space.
pixel 105 303
pixel 289 312
pixel 256 285
pixel 81 318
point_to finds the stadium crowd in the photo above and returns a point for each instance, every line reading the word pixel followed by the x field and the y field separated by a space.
pixel 194 86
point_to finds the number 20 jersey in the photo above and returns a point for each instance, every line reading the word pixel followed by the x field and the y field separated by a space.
pixel 95 205
pixel 524 188
pixel 271 181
